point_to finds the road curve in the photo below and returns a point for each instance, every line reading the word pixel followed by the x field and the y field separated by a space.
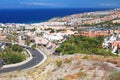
pixel 37 58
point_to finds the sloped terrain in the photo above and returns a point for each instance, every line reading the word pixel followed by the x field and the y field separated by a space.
pixel 70 67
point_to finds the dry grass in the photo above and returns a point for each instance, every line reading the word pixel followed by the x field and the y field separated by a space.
pixel 67 61
pixel 75 76
pixel 115 75
pixel 114 60
pixel 78 64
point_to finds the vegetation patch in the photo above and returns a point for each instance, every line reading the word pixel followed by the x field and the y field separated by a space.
pixel 12 54
pixel 85 57
pixel 68 61
pixel 84 45
pixel 59 63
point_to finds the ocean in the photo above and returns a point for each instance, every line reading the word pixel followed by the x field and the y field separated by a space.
pixel 39 15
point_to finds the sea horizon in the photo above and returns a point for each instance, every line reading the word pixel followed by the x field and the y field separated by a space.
pixel 38 15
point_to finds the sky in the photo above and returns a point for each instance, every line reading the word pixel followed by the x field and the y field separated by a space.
pixel 59 4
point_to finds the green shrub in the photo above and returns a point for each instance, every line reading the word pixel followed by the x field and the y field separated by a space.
pixel 13 54
pixel 58 50
pixel 85 57
pixel 16 47
pixel 59 63
pixel 68 61
pixel 61 79
pixel 15 58
pixel 33 46
pixel 84 45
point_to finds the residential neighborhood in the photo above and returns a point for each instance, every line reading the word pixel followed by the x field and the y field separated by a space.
pixel 85 44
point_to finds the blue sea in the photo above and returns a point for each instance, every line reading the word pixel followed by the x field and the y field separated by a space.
pixel 39 15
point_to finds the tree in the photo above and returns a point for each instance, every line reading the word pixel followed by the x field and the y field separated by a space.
pixel 51 30
pixel 59 49
pixel 17 48
pixel 9 38
pixel 11 56
pixel 27 41
pixel 33 47
pixel 23 28
pixel 33 29
pixel 85 45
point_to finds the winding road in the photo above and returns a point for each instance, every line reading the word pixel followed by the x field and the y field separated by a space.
pixel 37 58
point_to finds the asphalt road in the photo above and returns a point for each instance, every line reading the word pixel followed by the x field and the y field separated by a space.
pixel 37 58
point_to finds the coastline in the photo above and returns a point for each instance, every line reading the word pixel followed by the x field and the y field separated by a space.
pixel 41 15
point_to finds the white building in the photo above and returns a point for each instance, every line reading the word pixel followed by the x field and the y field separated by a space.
pixel 53 37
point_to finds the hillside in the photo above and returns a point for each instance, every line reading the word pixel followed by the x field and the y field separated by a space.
pixel 70 67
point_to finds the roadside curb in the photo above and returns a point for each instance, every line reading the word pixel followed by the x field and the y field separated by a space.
pixel 44 58
pixel 28 59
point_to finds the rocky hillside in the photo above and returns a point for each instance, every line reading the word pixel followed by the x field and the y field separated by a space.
pixel 71 67
pixel 81 67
